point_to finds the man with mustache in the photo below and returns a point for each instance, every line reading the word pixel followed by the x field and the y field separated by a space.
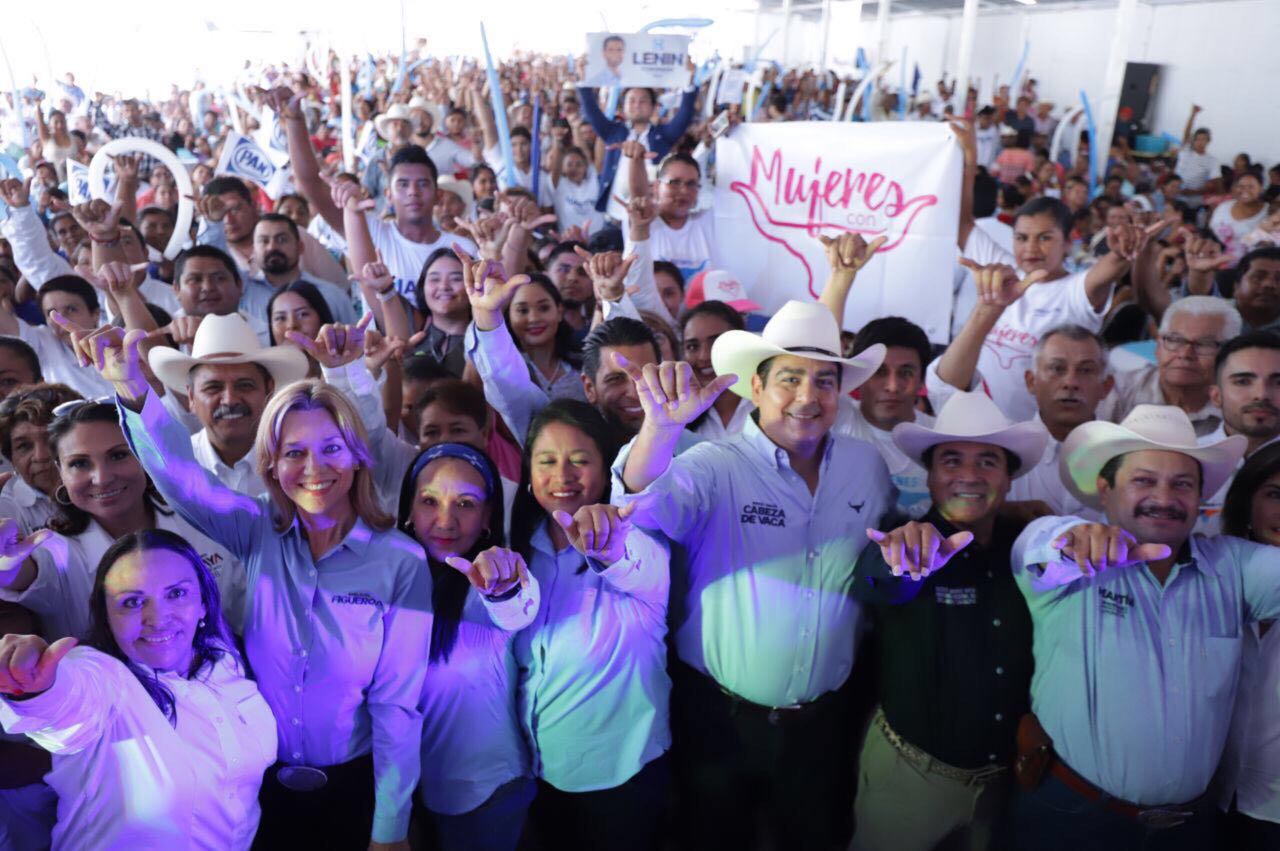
pixel 277 249
pixel 1138 631
pixel 1247 389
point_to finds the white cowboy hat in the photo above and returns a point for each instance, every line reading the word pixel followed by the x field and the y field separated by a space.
pixel 226 339
pixel 395 112
pixel 974 418
pixel 1091 445
pixel 461 188
pixel 800 328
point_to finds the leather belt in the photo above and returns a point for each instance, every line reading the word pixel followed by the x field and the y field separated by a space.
pixel 922 761
pixel 1160 817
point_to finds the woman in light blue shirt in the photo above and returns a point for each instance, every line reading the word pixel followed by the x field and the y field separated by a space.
pixel 593 681
pixel 476 780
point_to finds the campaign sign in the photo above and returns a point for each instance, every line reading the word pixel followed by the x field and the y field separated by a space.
pixel 636 59
pixel 244 158
pixel 781 186
pixel 78 183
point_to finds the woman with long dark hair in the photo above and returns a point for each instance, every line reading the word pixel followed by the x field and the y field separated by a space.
pixel 476 777
pixel 1250 771
pixel 443 310
pixel 298 307
pixel 158 739
pixel 535 316
pixel 337 606
pixel 593 678
pixel 104 494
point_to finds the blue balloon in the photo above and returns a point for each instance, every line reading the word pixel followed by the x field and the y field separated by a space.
pixel 692 23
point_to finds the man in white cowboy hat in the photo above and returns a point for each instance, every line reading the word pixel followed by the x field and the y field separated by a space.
pixel 1138 633
pixel 772 520
pixel 394 125
pixel 955 643
pixel 454 200
pixel 228 378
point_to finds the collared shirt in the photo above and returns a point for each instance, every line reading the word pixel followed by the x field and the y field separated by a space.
pixel 1135 680
pixel 337 642
pixel 955 649
pixel 442 347
pixel 25 504
pixel 471 738
pixel 710 427
pixel 258 292
pixel 58 363
pixel 1044 482
pixel 127 778
pixel 241 476
pixel 593 665
pixel 508 387
pixel 1250 770
pixel 765 606
pixel 1210 519
pixel 911 480
pixel 1142 387
pixel 67 564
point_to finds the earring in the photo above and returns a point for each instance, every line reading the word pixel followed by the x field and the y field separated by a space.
pixel 61 495
pixel 200 625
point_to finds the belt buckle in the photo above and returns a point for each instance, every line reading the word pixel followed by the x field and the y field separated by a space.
pixel 1161 818
pixel 301 778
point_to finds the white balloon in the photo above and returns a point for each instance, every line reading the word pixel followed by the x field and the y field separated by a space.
pixel 128 144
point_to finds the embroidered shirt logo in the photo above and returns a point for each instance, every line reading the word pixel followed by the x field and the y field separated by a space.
pixel 956 596
pixel 358 598
pixel 857 506
pixel 1115 603
pixel 763 514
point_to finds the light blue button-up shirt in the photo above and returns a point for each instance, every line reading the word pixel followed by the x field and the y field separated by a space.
pixel 338 644
pixel 593 665
pixel 766 604
pixel 1135 681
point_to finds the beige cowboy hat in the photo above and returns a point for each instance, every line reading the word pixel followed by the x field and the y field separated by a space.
pixel 1091 445
pixel 974 418
pixel 395 112
pixel 461 188
pixel 800 328
pixel 226 339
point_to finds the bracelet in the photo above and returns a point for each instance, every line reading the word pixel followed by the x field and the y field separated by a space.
pixel 389 295
pixel 111 241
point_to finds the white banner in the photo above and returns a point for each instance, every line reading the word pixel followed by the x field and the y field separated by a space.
pixel 244 158
pixel 636 59
pixel 780 186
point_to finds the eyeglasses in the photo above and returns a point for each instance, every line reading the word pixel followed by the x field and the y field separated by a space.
pixel 1178 343
pixel 681 184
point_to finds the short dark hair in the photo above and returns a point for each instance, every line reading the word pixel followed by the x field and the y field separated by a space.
pixel 1254 340
pixel 156 211
pixel 73 285
pixel 653 97
pixel 1237 510
pixel 280 218
pixel 679 157
pixel 620 331
pixel 209 252
pixel 986 194
pixel 616 38
pixel 1266 252
pixel 767 364
pixel 458 397
pixel 895 331
pixel 24 352
pixel 562 247
pixel 412 155
pixel 422 367
pixel 229 185
pixel 1053 207
pixel 1012 462
pixel 1109 470
pixel 521 132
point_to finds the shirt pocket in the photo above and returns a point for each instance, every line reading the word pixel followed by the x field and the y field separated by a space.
pixel 1217 667
pixel 256 731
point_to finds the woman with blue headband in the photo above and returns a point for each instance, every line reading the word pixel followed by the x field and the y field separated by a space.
pixel 477 782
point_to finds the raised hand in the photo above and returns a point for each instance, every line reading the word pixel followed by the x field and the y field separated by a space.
pixel 351 196
pixel 1204 255
pixel 494 572
pixel 183 329
pixel 16 193
pixel 967 137
pixel 376 277
pixel 918 549
pixel 1128 241
pixel 112 351
pixel 489 233
pixel 336 345
pixel 607 271
pixel 126 166
pixel 210 207
pixel 632 149
pixel 670 395
pixel 285 102
pixel 598 531
pixel 29 665
pixel 99 219
pixel 1094 547
pixel 15 549
pixel 849 252
pixel 998 284
pixel 488 289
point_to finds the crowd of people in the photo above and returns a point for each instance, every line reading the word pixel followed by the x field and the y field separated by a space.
pixel 459 501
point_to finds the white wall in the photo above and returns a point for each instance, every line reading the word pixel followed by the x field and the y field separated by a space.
pixel 1220 55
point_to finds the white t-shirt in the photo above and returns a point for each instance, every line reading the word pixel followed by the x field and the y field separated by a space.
pixel 988 144
pixel 911 480
pixel 1195 169
pixel 493 156
pixel 575 204
pixel 404 259
pixel 450 157
pixel 1232 231
pixel 692 248
pixel 1000 233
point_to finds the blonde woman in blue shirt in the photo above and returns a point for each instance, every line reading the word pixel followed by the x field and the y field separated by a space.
pixel 338 606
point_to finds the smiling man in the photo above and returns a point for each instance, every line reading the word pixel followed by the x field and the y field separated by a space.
pixel 772 520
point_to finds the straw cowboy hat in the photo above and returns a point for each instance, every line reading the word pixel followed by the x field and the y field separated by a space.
pixel 226 339
pixel 395 112
pixel 974 418
pixel 1091 445
pixel 806 329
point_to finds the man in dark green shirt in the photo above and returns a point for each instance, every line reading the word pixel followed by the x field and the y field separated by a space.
pixel 955 644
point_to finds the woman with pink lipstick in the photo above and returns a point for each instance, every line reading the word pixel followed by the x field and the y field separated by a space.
pixel 535 316
pixel 158 739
